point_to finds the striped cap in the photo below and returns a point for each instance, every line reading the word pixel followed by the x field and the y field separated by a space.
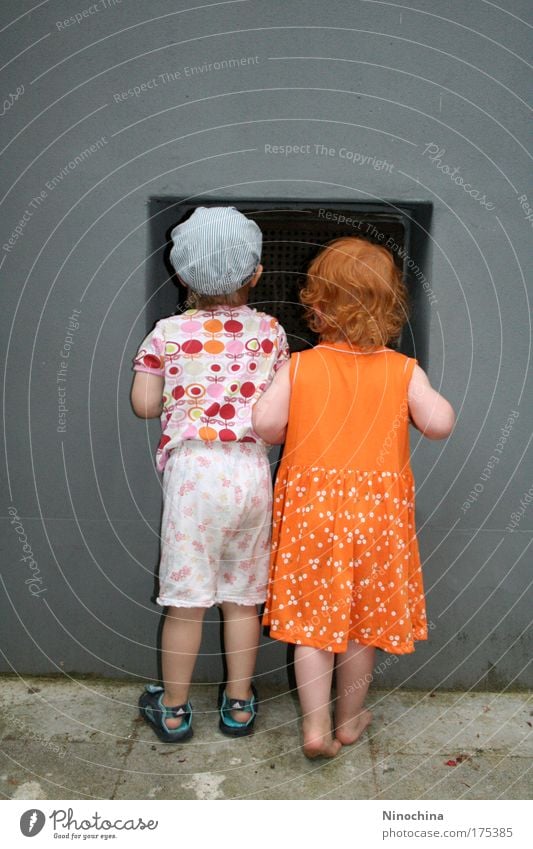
pixel 216 250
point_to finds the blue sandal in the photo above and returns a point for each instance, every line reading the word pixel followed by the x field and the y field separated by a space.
pixel 228 725
pixel 155 713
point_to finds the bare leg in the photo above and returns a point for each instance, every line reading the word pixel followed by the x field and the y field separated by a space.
pixel 314 671
pixel 241 638
pixel 354 674
pixel 180 644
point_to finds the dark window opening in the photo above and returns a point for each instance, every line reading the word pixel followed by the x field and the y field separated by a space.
pixel 293 232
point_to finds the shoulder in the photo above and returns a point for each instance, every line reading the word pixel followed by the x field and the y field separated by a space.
pixel 164 324
pixel 307 363
pixel 174 322
pixel 395 356
pixel 418 380
pixel 310 353
pixel 400 361
pixel 263 318
pixel 309 360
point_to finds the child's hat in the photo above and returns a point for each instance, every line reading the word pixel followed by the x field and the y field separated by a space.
pixel 216 250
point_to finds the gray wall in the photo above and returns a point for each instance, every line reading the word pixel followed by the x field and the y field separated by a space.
pixel 365 77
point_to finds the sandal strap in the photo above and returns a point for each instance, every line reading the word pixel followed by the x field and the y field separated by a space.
pixel 240 704
pixel 169 711
pixel 246 705
pixel 176 710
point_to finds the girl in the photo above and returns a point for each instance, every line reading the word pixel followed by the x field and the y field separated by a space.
pixel 345 573
pixel 201 371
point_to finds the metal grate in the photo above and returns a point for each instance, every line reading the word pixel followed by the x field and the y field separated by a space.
pixel 292 236
pixel 293 232
pixel 291 239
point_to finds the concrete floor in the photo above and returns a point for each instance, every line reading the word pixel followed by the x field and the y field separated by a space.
pixel 83 739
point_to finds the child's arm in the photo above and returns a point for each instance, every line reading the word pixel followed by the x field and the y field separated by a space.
pixel 147 394
pixel 432 414
pixel 270 414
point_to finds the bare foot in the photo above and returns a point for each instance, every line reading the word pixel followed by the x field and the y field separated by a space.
pixel 319 743
pixel 350 731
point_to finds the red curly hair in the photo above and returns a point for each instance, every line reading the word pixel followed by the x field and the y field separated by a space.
pixel 355 293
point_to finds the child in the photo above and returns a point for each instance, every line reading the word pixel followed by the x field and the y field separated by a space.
pixel 201 372
pixel 345 574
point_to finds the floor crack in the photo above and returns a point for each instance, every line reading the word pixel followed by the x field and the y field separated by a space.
pixel 129 748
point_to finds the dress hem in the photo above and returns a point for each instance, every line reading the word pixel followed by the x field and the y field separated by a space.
pixel 341 648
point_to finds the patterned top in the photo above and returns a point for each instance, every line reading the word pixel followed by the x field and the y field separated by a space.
pixel 216 363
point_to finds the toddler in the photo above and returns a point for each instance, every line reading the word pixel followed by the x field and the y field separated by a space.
pixel 201 372
pixel 345 573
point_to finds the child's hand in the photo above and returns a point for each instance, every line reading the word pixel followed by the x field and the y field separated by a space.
pixel 432 414
pixel 270 414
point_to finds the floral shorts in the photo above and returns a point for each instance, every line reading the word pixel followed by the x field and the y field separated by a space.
pixel 215 530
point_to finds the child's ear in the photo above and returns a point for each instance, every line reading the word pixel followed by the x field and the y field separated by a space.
pixel 255 279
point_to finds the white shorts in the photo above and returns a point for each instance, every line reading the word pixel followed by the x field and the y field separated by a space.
pixel 215 530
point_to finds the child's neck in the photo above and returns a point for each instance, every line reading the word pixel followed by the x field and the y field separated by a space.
pixel 342 340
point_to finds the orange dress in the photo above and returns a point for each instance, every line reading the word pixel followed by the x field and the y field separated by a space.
pixel 345 562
